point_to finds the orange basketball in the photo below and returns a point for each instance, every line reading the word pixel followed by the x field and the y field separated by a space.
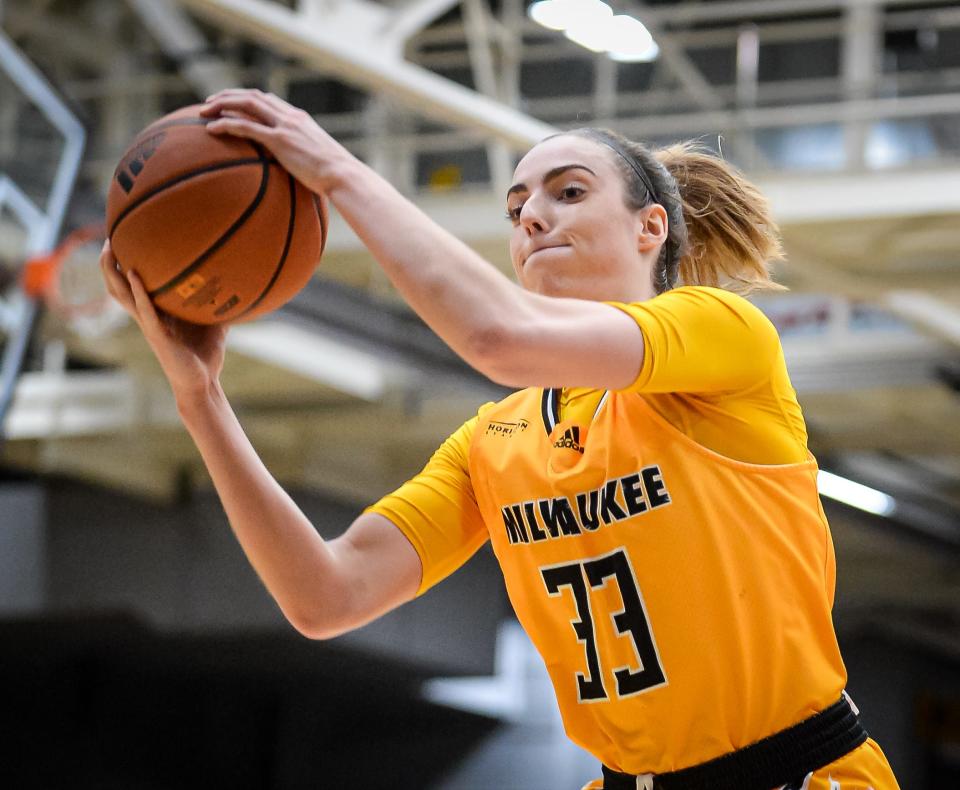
pixel 215 227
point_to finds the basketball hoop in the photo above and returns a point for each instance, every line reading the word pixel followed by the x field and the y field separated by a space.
pixel 69 282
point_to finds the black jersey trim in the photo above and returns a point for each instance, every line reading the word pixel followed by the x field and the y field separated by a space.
pixel 603 400
pixel 550 409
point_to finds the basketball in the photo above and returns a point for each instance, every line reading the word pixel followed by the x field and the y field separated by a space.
pixel 217 229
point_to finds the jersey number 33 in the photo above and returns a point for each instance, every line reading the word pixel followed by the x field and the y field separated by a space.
pixel 581 578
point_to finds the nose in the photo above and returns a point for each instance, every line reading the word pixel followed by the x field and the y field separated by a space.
pixel 533 217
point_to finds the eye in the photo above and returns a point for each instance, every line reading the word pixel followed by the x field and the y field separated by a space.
pixel 513 212
pixel 571 192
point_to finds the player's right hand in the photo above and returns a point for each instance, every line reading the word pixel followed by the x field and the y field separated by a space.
pixel 289 133
pixel 191 355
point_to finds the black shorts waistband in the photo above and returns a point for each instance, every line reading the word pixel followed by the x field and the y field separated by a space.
pixel 779 759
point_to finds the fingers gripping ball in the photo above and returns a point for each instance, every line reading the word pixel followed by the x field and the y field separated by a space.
pixel 217 230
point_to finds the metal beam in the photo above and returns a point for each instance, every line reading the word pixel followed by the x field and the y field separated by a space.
pixel 50 33
pixel 342 47
pixel 842 196
pixel 672 54
pixel 889 359
pixel 926 312
pixel 179 37
pixel 480 51
pixel 752 10
pixel 414 17
pixel 512 18
pixel 55 404
pixel 783 117
pixel 313 355
pixel 860 55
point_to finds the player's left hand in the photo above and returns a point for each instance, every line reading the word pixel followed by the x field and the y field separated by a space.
pixel 289 133
pixel 190 355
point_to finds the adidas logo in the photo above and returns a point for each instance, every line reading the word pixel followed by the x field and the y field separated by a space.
pixel 570 439
pixel 133 163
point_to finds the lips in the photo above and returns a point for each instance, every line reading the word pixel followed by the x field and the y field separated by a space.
pixel 544 247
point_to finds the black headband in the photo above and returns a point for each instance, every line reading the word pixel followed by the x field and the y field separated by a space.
pixel 615 146
pixel 641 173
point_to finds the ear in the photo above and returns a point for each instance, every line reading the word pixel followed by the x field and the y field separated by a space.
pixel 654 227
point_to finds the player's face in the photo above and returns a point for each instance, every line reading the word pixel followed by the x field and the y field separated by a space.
pixel 573 233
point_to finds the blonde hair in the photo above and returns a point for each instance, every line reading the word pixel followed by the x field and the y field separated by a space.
pixel 721 232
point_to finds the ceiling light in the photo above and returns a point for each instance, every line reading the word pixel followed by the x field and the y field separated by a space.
pixel 628 40
pixel 592 24
pixel 568 14
pixel 591 31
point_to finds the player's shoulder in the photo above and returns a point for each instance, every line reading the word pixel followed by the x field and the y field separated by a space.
pixel 518 398
pixel 707 296
pixel 511 402
pixel 709 302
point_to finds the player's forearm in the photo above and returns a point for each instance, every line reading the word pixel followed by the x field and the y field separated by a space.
pixel 293 561
pixel 463 298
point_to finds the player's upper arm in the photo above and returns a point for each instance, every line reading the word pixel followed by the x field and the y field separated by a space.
pixel 690 339
pixel 560 342
pixel 436 511
pixel 379 570
pixel 403 544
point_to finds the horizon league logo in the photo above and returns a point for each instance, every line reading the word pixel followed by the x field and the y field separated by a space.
pixel 132 165
pixel 506 428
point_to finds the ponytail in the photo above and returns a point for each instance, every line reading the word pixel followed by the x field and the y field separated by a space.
pixel 732 237
pixel 721 232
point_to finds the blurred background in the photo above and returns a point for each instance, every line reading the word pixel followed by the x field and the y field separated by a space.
pixel 137 648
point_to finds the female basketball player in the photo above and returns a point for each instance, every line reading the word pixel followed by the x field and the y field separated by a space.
pixel 648 492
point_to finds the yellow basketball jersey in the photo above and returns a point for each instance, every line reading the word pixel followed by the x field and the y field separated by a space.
pixel 680 599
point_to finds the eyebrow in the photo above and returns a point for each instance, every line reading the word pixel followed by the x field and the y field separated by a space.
pixel 551 174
